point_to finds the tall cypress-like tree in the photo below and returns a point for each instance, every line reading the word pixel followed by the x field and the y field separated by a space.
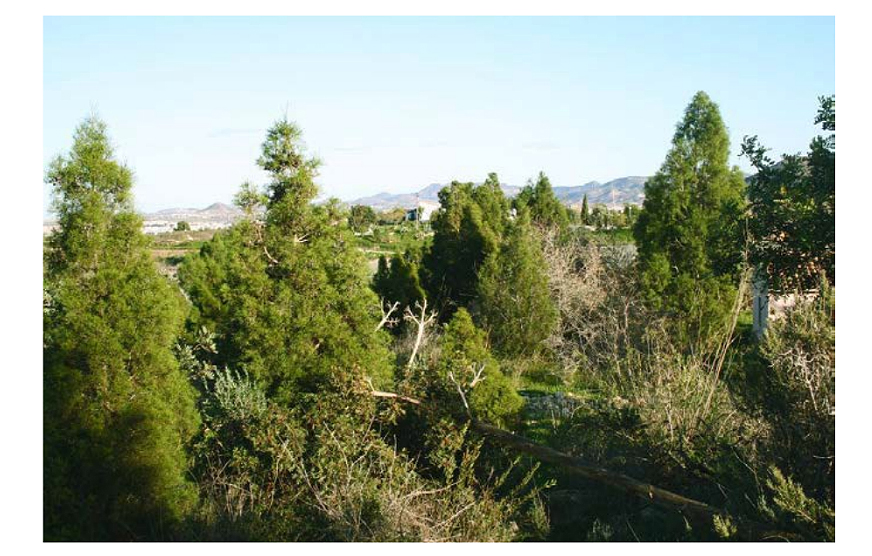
pixel 467 228
pixel 690 233
pixel 515 303
pixel 585 211
pixel 117 408
pixel 288 294
pixel 539 199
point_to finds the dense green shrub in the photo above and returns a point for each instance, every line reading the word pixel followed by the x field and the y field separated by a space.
pixel 799 394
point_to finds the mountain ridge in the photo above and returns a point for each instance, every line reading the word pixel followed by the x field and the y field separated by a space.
pixel 628 190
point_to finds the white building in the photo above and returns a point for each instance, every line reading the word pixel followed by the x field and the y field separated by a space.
pixel 426 207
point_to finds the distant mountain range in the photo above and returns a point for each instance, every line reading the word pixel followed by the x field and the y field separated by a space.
pixel 616 193
pixel 216 215
pixel 215 211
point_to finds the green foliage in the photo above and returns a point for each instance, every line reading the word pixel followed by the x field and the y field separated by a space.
pixel 398 281
pixel 464 354
pixel 467 228
pixel 585 211
pixel 288 297
pixel 182 226
pixel 539 199
pixel 117 408
pixel 690 232
pixel 515 305
pixel 799 391
pixel 794 511
pixel 793 208
pixel 361 218
pixel 326 474
pixel 392 216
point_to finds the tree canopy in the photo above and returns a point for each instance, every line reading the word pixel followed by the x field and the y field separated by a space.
pixel 690 231
pixel 793 208
pixel 544 207
pixel 117 408
pixel 467 228
pixel 288 295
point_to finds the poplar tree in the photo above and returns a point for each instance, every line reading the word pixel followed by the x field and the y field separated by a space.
pixel 690 234
pixel 117 408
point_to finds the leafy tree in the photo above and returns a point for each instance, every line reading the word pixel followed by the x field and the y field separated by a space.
pixel 585 211
pixel 689 233
pixel 539 199
pixel 392 216
pixel 467 228
pixel 288 296
pixel 361 218
pixel 514 298
pixel 182 226
pixel 631 214
pixel 117 408
pixel 793 208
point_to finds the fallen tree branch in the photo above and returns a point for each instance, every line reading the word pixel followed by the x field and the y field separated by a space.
pixel 380 394
pixel 696 512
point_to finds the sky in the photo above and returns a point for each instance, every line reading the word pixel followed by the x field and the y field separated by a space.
pixel 395 104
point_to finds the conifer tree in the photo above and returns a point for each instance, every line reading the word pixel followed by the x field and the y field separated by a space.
pixel 690 233
pixel 585 211
pixel 288 295
pixel 514 299
pixel 467 228
pixel 539 199
pixel 117 408
pixel 466 358
pixel 398 280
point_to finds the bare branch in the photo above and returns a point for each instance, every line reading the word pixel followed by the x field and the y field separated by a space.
pixel 386 315
pixel 459 391
pixel 477 375
pixel 422 323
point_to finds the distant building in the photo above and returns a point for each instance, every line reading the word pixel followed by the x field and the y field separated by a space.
pixel 426 209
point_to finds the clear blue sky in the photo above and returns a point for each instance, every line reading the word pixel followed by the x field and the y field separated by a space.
pixel 394 104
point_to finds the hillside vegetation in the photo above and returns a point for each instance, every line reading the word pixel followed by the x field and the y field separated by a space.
pixel 512 370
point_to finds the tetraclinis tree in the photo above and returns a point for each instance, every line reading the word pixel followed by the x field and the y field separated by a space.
pixel 539 199
pixel 287 294
pixel 117 408
pixel 515 304
pixel 793 208
pixel 397 279
pixel 690 233
pixel 467 228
